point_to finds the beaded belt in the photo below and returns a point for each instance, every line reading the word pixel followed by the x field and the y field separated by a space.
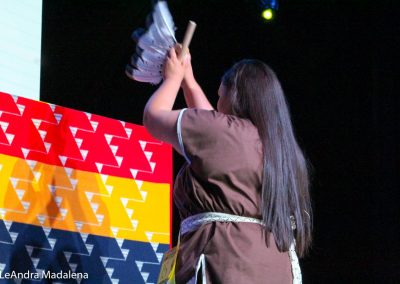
pixel 192 223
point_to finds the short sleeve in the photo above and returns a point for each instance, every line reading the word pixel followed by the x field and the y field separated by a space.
pixel 201 133
pixel 179 134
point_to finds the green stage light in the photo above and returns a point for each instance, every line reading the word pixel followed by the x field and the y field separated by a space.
pixel 268 14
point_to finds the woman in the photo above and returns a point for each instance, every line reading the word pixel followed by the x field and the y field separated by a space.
pixel 243 161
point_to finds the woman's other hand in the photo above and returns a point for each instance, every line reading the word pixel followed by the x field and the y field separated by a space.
pixel 174 69
pixel 188 78
pixel 194 95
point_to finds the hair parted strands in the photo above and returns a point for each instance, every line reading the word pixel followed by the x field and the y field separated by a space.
pixel 256 93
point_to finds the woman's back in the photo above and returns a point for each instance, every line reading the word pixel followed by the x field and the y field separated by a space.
pixel 225 175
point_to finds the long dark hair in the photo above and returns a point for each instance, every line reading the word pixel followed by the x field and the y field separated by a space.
pixel 256 93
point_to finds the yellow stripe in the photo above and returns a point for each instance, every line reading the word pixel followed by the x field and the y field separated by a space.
pixel 67 199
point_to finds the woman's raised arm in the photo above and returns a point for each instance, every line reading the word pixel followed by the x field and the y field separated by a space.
pixel 194 95
pixel 158 117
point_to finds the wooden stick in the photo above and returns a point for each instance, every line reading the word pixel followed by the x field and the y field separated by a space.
pixel 187 39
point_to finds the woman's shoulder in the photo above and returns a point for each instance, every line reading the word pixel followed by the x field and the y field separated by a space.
pixel 212 119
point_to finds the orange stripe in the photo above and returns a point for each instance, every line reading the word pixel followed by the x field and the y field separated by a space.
pixel 51 196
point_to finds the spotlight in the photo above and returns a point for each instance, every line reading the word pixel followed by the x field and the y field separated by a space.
pixel 269 8
pixel 268 14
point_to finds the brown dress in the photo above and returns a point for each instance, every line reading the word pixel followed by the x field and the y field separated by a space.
pixel 224 175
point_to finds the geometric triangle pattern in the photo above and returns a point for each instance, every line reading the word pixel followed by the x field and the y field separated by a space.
pixel 80 193
pixel 95 259
pixel 65 137
pixel 84 202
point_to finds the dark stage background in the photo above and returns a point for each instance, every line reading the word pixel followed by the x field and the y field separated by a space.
pixel 337 61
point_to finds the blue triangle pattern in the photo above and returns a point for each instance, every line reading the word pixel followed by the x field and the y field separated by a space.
pixel 37 249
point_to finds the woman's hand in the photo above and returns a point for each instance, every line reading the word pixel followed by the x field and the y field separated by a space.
pixel 174 69
pixel 194 95
pixel 188 78
pixel 159 118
